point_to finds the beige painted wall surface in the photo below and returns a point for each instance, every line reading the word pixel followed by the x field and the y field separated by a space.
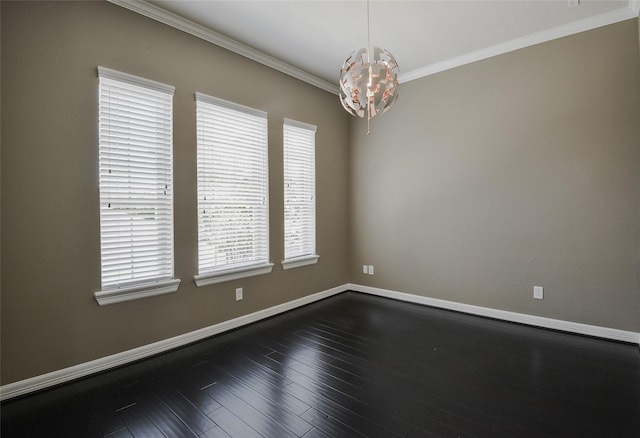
pixel 50 220
pixel 519 170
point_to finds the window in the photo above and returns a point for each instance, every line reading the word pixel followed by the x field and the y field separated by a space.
pixel 136 187
pixel 233 188
pixel 299 194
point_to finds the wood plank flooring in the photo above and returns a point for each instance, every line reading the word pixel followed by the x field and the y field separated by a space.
pixel 352 366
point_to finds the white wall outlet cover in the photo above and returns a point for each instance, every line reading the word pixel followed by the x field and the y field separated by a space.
pixel 238 294
pixel 370 269
pixel 538 292
pixel 365 269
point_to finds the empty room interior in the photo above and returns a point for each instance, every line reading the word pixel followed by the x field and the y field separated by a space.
pixel 466 264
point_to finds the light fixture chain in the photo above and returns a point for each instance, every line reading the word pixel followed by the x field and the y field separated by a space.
pixel 368 107
pixel 368 35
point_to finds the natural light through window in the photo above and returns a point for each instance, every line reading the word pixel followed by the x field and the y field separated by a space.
pixel 299 149
pixel 233 202
pixel 136 187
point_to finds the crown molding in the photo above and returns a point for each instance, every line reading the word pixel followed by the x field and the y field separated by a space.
pixel 526 41
pixel 151 11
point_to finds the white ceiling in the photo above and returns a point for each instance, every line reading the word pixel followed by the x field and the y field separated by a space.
pixel 310 39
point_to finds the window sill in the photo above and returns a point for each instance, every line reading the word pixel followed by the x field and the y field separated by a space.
pixel 136 292
pixel 231 274
pixel 300 261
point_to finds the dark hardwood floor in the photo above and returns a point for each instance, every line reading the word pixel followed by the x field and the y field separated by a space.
pixel 355 365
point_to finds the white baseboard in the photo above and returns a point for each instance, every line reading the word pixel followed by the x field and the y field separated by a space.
pixel 53 378
pixel 522 318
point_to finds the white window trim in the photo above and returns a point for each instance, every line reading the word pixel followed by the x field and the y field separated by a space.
pixel 135 80
pixel 298 124
pixel 231 274
pixel 230 105
pixel 296 262
pixel 132 292
pixel 300 261
pixel 136 292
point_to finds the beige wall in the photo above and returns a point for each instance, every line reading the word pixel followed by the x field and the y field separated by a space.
pixel 50 221
pixel 484 180
pixel 519 170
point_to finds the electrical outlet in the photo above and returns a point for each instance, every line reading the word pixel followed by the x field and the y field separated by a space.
pixel 365 269
pixel 370 270
pixel 538 292
pixel 238 293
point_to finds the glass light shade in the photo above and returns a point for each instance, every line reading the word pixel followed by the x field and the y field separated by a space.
pixel 368 87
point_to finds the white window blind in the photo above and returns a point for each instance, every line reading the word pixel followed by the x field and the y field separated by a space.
pixel 136 186
pixel 233 205
pixel 299 190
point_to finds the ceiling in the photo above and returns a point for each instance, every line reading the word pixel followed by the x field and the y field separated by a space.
pixel 310 39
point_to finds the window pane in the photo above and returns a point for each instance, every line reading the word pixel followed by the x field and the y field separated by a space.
pixel 299 190
pixel 233 207
pixel 136 185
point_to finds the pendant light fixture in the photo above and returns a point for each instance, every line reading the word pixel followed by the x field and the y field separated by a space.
pixel 369 81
